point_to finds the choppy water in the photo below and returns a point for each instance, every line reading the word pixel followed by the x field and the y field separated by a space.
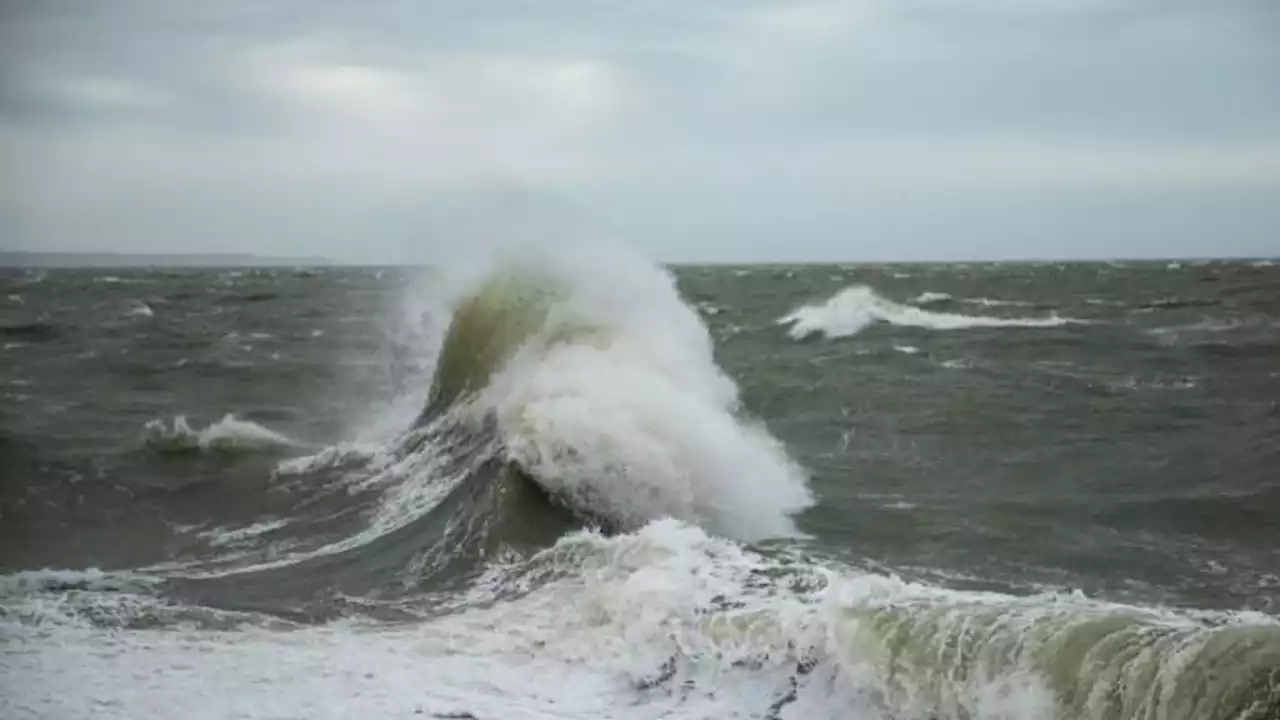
pixel 901 491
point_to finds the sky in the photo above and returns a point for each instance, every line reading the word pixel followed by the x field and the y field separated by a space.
pixel 389 131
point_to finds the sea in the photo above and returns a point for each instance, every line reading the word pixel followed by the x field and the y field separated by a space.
pixel 549 484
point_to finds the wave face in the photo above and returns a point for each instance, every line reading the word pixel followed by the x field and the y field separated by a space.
pixel 1062 657
pixel 857 307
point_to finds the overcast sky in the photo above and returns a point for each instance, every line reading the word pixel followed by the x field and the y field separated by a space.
pixel 743 130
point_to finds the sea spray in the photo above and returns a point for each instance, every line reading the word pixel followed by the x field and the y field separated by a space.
pixel 603 387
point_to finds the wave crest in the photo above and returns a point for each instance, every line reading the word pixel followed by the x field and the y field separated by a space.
pixel 857 307
pixel 228 435
pixel 600 384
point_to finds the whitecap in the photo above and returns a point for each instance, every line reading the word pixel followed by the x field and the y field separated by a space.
pixel 857 307
pixel 228 434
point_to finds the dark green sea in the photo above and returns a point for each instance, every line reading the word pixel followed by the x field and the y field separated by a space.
pixel 813 491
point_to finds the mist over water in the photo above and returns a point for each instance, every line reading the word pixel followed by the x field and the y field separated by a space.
pixel 913 491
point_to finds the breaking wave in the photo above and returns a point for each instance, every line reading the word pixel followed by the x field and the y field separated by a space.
pixel 855 308
pixel 600 384
pixel 670 620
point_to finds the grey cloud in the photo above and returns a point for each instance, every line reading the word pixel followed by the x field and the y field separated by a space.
pixel 1137 75
pixel 733 130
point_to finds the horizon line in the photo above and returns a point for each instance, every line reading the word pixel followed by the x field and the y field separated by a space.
pixel 52 258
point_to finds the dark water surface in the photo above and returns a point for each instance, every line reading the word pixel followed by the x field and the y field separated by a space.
pixel 1133 454
pixel 1106 428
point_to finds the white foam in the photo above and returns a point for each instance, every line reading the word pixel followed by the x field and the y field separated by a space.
pixel 331 456
pixel 141 309
pixel 1203 326
pixel 930 297
pixel 608 616
pixel 29 581
pixel 1136 383
pixel 227 536
pixel 70 598
pixel 616 612
pixel 638 422
pixel 229 433
pixel 993 302
pixel 410 487
pixel 857 307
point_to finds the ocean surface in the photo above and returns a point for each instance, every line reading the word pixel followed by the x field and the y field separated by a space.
pixel 585 486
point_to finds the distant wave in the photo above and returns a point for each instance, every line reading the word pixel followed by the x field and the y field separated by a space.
pixel 994 302
pixel 141 309
pixel 228 435
pixel 937 298
pixel 41 330
pixel 855 308
pixel 1167 303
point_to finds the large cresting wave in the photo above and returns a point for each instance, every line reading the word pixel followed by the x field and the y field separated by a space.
pixel 600 385
pixel 566 390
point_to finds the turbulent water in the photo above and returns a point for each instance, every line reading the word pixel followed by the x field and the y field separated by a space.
pixel 582 486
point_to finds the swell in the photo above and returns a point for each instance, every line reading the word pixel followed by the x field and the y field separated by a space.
pixel 857 307
pixel 30 331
